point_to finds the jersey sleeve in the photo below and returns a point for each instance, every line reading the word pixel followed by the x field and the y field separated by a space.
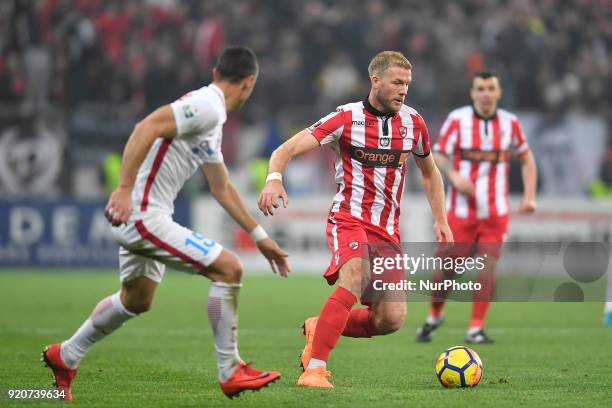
pixel 194 113
pixel 197 117
pixel 422 147
pixel 519 141
pixel 448 137
pixel 329 128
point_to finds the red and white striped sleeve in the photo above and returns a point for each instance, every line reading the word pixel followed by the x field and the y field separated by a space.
pixel 519 141
pixel 329 128
pixel 448 136
pixel 422 147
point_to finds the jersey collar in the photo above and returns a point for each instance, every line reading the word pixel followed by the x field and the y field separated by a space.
pixel 368 106
pixel 218 91
pixel 478 115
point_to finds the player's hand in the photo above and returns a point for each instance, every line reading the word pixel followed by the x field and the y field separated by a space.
pixel 443 232
pixel 119 207
pixel 462 184
pixel 268 199
pixel 276 256
pixel 528 206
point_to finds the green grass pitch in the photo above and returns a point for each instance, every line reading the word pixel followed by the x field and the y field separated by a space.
pixel 546 354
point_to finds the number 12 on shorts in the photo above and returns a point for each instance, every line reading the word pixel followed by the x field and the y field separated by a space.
pixel 200 243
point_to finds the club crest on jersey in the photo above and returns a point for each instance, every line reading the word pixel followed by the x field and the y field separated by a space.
pixel 353 245
pixel 403 131
pixel 385 141
pixel 189 111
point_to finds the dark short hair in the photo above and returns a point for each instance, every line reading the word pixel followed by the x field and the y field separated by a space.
pixel 236 63
pixel 486 74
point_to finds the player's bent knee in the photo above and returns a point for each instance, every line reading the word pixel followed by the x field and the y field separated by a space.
pixel 226 268
pixel 391 321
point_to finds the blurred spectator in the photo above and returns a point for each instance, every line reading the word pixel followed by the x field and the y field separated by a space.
pixel 99 59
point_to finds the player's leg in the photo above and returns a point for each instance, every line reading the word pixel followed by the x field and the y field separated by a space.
pixel 385 310
pixel 491 236
pixel 226 276
pixel 235 376
pixel 329 325
pixel 183 249
pixel 481 302
pixel 464 232
pixel 140 277
pixel 389 316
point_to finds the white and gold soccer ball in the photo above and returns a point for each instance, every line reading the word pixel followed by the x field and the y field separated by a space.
pixel 459 367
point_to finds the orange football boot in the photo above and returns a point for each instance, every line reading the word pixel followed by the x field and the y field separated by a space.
pixel 315 377
pixel 308 328
pixel 62 374
pixel 247 378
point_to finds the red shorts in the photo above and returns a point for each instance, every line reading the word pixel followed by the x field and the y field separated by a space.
pixel 484 236
pixel 346 236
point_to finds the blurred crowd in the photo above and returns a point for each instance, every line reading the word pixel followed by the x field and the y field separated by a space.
pixel 104 64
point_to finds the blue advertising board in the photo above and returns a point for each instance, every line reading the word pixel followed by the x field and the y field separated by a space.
pixel 61 233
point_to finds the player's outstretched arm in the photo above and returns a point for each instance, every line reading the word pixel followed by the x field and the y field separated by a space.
pixel 228 197
pixel 300 143
pixel 530 180
pixel 160 123
pixel 434 189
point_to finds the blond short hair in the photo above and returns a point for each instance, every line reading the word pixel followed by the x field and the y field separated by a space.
pixel 386 59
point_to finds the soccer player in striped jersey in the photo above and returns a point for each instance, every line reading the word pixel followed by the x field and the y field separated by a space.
pixel 372 140
pixel 473 152
pixel 163 152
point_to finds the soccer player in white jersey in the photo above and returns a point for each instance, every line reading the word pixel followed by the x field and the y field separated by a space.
pixel 372 140
pixel 473 151
pixel 163 151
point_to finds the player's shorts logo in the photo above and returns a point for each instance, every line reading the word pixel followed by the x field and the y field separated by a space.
pixel 353 245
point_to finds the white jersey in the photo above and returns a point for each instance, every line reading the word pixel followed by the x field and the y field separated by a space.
pixel 199 117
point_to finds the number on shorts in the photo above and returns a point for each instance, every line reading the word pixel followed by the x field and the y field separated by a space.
pixel 203 245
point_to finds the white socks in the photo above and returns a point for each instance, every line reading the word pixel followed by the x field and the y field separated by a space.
pixel 315 362
pixel 222 312
pixel 107 316
pixel 433 320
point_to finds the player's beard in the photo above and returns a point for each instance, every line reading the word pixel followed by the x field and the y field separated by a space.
pixel 386 104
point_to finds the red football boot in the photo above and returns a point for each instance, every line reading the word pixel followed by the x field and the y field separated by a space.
pixel 62 374
pixel 247 378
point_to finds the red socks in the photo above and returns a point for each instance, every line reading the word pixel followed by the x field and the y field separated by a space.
pixel 482 299
pixel 360 323
pixel 332 321
pixel 438 297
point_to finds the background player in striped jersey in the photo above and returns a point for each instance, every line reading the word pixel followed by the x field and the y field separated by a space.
pixel 162 153
pixel 473 151
pixel 372 140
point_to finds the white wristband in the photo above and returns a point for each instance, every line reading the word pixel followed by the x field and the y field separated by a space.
pixel 275 176
pixel 258 233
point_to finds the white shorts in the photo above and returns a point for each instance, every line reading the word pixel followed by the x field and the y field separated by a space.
pixel 153 240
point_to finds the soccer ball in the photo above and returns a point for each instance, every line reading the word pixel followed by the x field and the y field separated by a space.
pixel 459 367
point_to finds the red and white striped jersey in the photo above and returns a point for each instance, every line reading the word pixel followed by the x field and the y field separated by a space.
pixel 479 149
pixel 199 117
pixel 371 150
